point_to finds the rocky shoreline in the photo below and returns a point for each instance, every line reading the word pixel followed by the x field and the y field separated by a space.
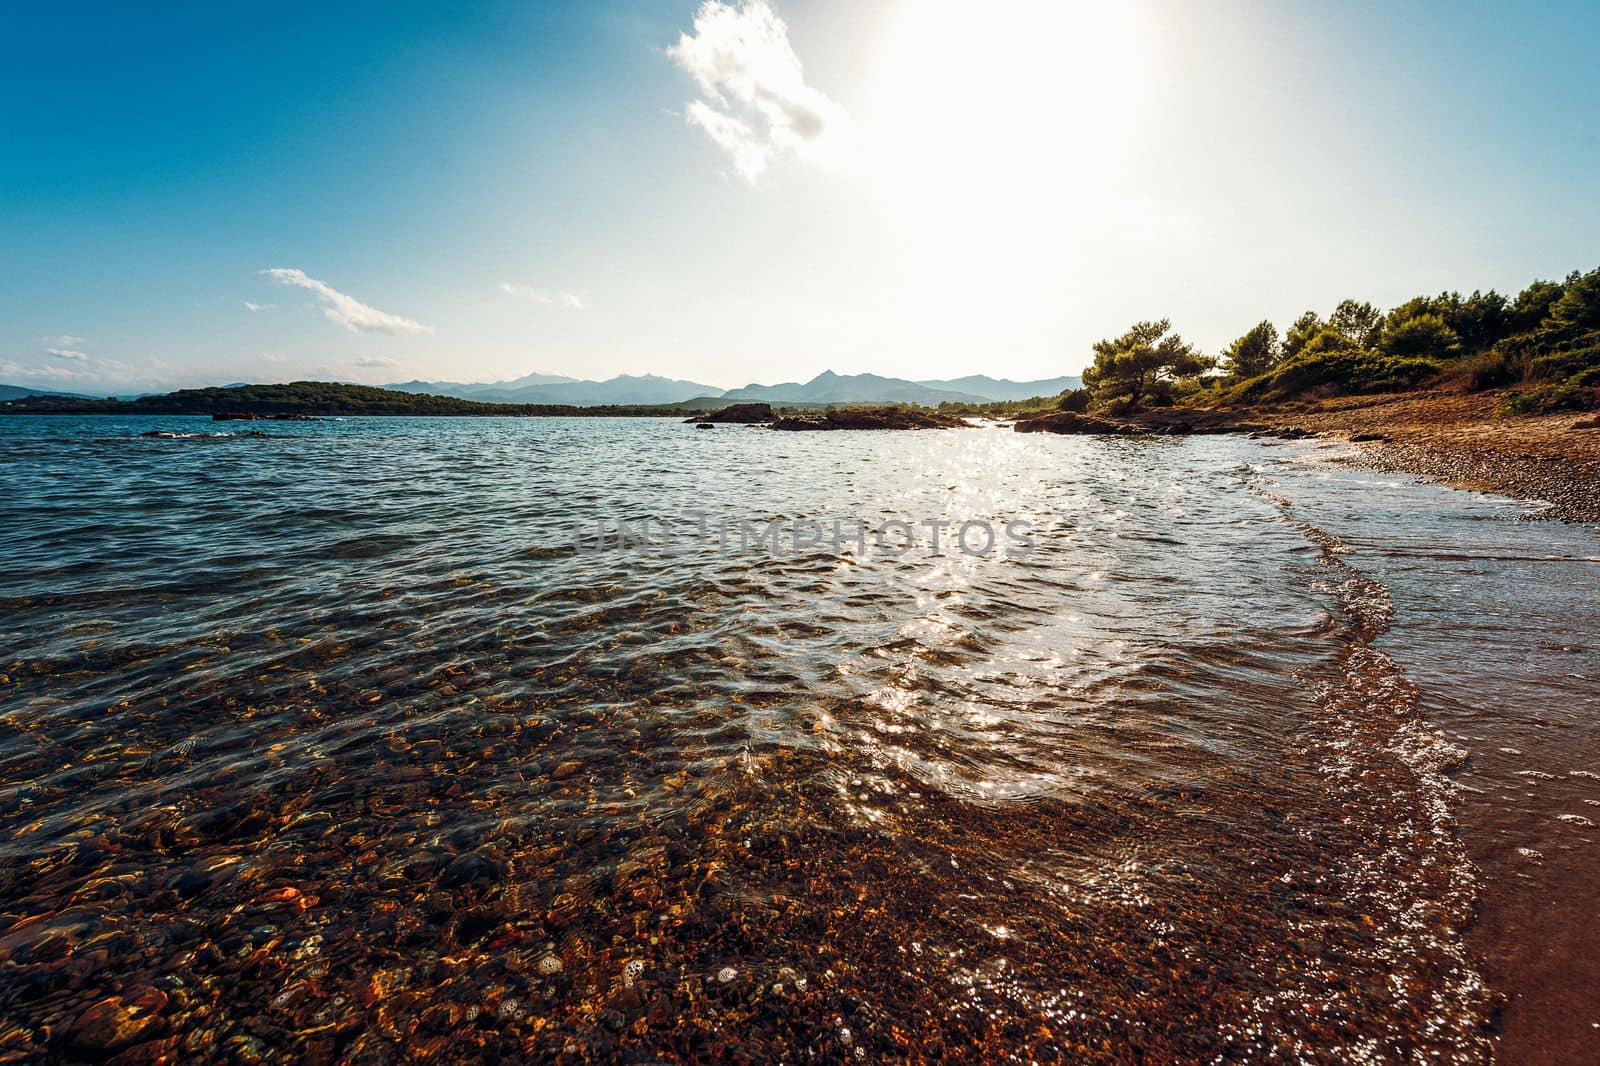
pixel 885 417
pixel 1458 439
pixel 1462 441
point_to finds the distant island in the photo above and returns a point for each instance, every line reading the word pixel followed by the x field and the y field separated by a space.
pixel 318 398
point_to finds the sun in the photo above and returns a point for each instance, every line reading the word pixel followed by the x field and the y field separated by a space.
pixel 1001 108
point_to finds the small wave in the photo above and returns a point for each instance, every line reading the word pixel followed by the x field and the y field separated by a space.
pixel 1423 898
pixel 252 434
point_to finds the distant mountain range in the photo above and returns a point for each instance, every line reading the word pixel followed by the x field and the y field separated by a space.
pixel 1004 389
pixel 17 392
pixel 553 388
pixel 826 387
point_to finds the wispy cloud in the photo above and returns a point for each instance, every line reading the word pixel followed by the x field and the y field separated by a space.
pixel 15 370
pixel 93 375
pixel 65 347
pixel 346 310
pixel 755 103
pixel 375 362
pixel 255 308
pixel 544 296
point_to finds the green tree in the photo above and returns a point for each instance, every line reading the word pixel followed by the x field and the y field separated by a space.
pixel 1479 320
pixel 1143 363
pixel 1417 305
pixel 1532 306
pixel 1425 335
pixel 1305 327
pixel 1361 322
pixel 1257 352
pixel 1578 309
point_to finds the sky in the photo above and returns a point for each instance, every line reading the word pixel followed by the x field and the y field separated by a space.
pixel 202 193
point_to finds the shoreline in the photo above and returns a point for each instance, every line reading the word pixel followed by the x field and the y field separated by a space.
pixel 1456 439
pixel 1460 441
pixel 1529 934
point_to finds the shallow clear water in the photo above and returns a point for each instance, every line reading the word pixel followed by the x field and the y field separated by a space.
pixel 371 737
pixel 1495 626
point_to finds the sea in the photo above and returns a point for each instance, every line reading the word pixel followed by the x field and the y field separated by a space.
pixel 584 739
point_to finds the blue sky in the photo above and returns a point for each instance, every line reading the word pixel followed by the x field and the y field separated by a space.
pixel 924 189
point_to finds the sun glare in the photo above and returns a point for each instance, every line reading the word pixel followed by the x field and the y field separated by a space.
pixel 1001 107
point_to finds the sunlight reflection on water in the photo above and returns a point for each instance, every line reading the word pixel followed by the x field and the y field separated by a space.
pixel 1168 752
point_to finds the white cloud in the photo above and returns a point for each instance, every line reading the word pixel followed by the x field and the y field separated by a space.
pixel 375 361
pixel 67 353
pixel 13 369
pixel 255 308
pixel 347 311
pixel 544 296
pixel 63 341
pixel 45 373
pixel 96 376
pixel 755 103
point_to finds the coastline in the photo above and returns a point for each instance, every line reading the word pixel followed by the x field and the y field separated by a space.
pixel 1459 440
pixel 1521 790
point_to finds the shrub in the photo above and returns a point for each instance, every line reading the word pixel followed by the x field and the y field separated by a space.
pixel 1076 400
pixel 1343 371
pixel 1586 379
pixel 1547 399
pixel 1557 366
pixel 1494 369
pixel 1328 340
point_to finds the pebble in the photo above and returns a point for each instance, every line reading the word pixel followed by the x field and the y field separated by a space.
pixel 471 869
pixel 117 1022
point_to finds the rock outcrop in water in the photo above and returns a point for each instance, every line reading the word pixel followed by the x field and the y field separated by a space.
pixel 743 413
pixel 1165 421
pixel 1073 422
pixel 258 416
pixel 873 418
